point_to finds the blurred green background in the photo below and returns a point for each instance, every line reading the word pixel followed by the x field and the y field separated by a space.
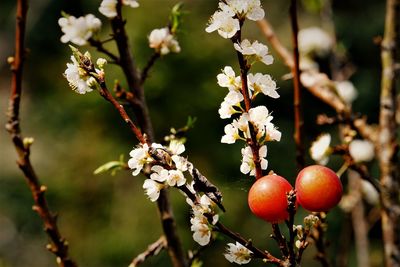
pixel 107 219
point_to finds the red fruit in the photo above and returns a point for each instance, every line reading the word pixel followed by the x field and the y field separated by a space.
pixel 318 188
pixel 267 198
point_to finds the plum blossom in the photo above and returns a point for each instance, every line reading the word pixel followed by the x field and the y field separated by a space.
pixel 248 165
pixel 152 189
pixel 346 91
pixel 139 157
pixel 163 42
pixel 369 192
pixel 78 30
pixel 199 223
pixel 109 7
pixel 229 79
pixel 79 79
pixel 223 23
pixel 361 150
pixel 315 41
pixel 232 99
pixel 320 149
pixel 237 253
pixel 181 163
pixel 262 83
pixel 175 177
pixel 256 50
pixel 261 118
pixel 176 147
pixel 159 174
pixel 250 9
pixel 231 134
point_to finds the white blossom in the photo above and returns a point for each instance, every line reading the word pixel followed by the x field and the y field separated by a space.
pixel 232 99
pixel 237 253
pixel 180 163
pixel 226 110
pixel 152 189
pixel 175 177
pixel 109 7
pixel 139 157
pixel 223 23
pixel 229 79
pixel 314 40
pixel 176 147
pixel 320 149
pixel 361 150
pixel 248 165
pixel 262 83
pixel 78 30
pixel 163 42
pixel 260 118
pixel 199 223
pixel 201 229
pixel 346 91
pixel 250 9
pixel 231 134
pixel 159 174
pixel 370 194
pixel 78 78
pixel 258 50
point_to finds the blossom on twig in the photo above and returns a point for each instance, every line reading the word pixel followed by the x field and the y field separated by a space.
pixel 361 150
pixel 248 165
pixel 237 253
pixel 78 30
pixel 109 7
pixel 255 50
pixel 163 42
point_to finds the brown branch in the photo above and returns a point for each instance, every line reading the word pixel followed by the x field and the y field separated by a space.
pixel 149 65
pixel 298 114
pixel 280 240
pixel 387 145
pixel 291 197
pixel 99 46
pixel 58 245
pixel 151 250
pixel 318 236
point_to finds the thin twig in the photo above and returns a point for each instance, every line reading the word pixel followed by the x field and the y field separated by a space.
pixel 387 145
pixel 290 223
pixel 58 245
pixel 280 239
pixel 149 65
pixel 152 250
pixel 298 114
pixel 100 47
pixel 248 244
pixel 318 236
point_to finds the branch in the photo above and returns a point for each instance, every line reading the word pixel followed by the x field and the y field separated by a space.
pixel 298 115
pixel 151 250
pixel 140 109
pixel 58 245
pixel 149 65
pixel 387 145
pixel 99 46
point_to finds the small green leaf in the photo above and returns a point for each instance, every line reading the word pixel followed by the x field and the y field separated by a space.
pixel 112 166
pixel 175 17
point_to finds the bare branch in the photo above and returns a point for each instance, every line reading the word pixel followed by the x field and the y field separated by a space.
pixel 58 245
pixel 152 250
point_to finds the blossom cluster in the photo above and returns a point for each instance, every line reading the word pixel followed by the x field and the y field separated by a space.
pixel 163 42
pixel 80 78
pixel 227 21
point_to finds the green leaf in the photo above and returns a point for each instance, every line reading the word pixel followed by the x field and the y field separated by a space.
pixel 112 166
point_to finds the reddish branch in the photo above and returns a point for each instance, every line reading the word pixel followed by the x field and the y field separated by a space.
pixel 387 145
pixel 58 245
pixel 298 115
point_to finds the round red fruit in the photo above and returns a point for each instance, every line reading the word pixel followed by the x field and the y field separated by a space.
pixel 267 198
pixel 318 188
